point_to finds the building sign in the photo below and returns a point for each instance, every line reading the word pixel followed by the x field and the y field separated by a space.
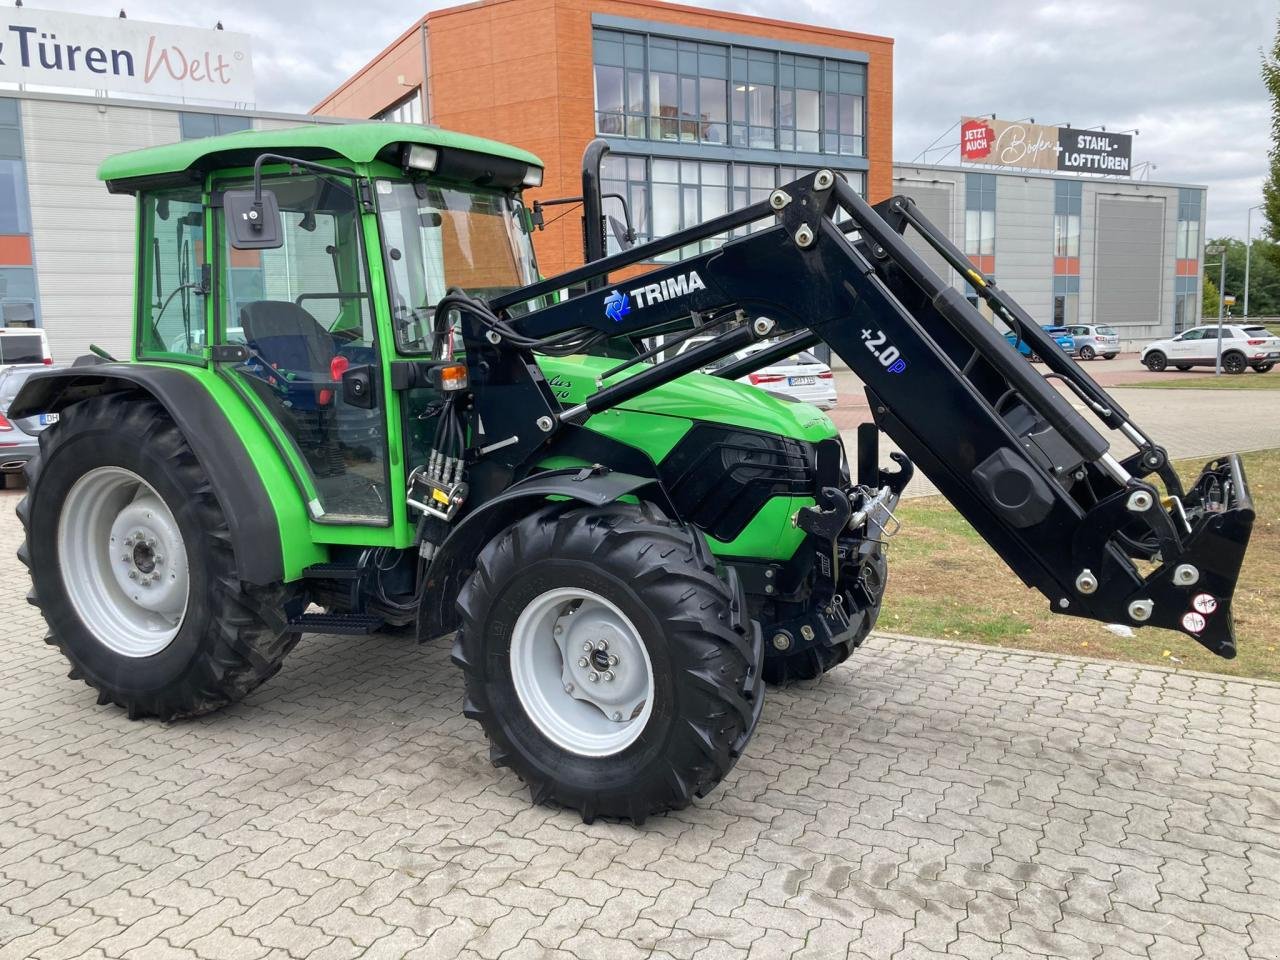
pixel 1035 146
pixel 53 49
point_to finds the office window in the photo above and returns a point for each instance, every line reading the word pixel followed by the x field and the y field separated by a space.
pixel 980 214
pixel 1186 299
pixel 628 177
pixel 844 109
pixel 406 110
pixel 685 91
pixel 620 83
pixel 197 125
pixel 1066 300
pixel 754 81
pixel 684 194
pixel 10 130
pixel 799 103
pixel 1066 218
pixel 1188 235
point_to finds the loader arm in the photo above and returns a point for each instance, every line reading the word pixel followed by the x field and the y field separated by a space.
pixel 1035 478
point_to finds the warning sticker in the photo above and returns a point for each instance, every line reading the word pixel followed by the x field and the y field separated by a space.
pixel 1192 622
pixel 1204 603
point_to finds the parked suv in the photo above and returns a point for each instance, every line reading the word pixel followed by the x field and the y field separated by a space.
pixel 1059 334
pixel 1242 347
pixel 1093 340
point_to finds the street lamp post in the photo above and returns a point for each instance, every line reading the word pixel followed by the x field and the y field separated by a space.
pixel 1213 251
pixel 1248 250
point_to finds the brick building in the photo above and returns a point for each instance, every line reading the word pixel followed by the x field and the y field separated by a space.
pixel 704 110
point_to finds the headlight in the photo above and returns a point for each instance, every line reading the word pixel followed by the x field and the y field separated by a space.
pixel 533 177
pixel 419 156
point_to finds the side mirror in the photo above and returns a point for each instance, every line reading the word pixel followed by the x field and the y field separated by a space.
pixel 253 222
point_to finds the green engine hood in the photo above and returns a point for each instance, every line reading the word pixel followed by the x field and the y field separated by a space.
pixel 695 396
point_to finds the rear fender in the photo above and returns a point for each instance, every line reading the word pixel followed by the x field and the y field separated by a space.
pixel 255 531
pixel 454 561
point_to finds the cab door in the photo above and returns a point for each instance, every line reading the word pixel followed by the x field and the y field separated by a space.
pixel 300 320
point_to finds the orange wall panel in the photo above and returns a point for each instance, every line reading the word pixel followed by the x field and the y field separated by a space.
pixel 15 250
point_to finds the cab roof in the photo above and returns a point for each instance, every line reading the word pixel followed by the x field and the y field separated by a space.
pixel 188 160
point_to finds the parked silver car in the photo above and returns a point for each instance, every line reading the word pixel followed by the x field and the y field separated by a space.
pixel 18 438
pixel 1095 340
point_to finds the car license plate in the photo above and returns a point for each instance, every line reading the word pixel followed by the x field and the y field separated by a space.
pixel 48 418
pixel 1272 356
pixel 801 381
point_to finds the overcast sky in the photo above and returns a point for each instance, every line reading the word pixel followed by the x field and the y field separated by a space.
pixel 1185 73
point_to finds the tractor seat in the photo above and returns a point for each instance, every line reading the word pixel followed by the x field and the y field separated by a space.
pixel 287 337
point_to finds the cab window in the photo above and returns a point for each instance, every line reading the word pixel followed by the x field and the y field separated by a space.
pixel 172 295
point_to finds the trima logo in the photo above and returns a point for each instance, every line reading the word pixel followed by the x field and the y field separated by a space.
pixel 616 306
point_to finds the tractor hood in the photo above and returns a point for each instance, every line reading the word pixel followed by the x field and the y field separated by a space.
pixel 695 396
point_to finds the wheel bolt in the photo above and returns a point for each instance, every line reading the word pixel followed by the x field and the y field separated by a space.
pixel 582 661
pixel 568 688
pixel 608 676
pixel 613 661
pixel 602 645
pixel 133 574
pixel 593 676
pixel 151 542
pixel 587 648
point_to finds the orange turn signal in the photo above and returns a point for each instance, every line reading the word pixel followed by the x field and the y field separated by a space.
pixel 453 376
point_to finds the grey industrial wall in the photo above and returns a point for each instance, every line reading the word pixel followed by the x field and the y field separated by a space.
pixel 1127 243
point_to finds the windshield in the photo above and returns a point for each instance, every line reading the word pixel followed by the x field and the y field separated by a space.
pixel 1106 331
pixel 437 237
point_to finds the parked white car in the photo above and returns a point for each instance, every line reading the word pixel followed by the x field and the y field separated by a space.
pixel 802 376
pixel 1242 347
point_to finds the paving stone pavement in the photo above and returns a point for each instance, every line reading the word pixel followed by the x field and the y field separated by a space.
pixel 925 800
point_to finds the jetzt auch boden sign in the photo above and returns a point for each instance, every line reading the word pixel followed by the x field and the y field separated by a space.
pixel 56 49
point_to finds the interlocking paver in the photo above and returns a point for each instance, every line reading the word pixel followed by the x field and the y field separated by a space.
pixel 927 800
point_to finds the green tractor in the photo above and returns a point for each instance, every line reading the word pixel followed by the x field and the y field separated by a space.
pixel 354 406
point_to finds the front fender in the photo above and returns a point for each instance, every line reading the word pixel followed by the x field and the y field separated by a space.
pixel 454 561
pixel 255 531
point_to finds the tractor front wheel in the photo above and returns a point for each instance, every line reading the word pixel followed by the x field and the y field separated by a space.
pixel 133 568
pixel 610 665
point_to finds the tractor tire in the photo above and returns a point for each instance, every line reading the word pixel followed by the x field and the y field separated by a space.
pixel 676 692
pixel 781 668
pixel 116 501
pixel 1087 352
pixel 1182 367
pixel 1262 367
pixel 1155 361
pixel 1234 362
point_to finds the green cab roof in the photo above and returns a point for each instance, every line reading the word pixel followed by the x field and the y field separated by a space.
pixel 357 142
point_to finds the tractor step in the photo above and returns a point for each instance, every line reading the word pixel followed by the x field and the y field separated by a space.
pixel 336 624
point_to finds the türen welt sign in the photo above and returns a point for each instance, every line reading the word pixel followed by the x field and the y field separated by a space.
pixel 52 49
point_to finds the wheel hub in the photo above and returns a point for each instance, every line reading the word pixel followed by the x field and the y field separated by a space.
pixel 582 671
pixel 123 560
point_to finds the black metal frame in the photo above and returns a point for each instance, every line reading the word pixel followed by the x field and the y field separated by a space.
pixel 1034 477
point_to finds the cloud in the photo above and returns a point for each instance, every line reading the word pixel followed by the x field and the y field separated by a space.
pixel 1183 72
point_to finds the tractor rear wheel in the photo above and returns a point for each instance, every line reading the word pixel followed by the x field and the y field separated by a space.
pixel 610 665
pixel 133 569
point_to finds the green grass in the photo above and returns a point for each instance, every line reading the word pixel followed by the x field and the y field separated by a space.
pixel 944 581
pixel 1243 381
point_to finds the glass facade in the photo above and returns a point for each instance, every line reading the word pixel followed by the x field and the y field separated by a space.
pixel 666 195
pixel 1186 294
pixel 1066 220
pixel 1188 237
pixel 19 296
pixel 980 215
pixel 1066 300
pixel 673 90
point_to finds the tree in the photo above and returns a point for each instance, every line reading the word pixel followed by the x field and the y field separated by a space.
pixel 1271 186
pixel 1209 304
pixel 1264 276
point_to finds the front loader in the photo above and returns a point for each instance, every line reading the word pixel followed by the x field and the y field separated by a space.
pixel 354 406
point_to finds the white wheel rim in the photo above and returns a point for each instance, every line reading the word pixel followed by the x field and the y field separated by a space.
pixel 556 648
pixel 123 561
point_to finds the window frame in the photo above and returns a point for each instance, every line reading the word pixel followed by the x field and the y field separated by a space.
pixel 144 279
